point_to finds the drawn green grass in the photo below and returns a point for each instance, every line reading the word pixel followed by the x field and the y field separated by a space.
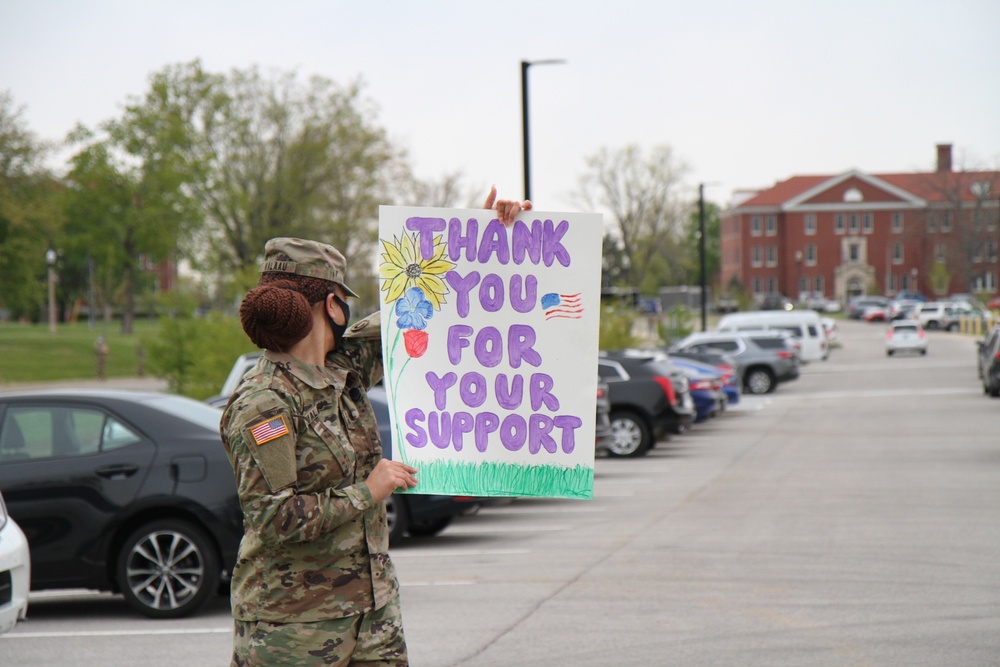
pixel 504 479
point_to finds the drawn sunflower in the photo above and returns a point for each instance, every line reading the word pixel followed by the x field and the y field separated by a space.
pixel 402 267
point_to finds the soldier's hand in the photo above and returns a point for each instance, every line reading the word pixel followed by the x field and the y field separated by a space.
pixel 507 209
pixel 389 476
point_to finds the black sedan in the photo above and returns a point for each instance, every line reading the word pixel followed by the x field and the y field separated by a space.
pixel 121 491
pixel 649 399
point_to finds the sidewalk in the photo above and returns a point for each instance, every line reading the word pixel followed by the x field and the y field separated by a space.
pixel 129 383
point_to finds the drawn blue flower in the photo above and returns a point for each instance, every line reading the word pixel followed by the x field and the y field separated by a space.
pixel 413 309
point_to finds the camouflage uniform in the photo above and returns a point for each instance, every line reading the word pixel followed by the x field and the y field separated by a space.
pixel 313 583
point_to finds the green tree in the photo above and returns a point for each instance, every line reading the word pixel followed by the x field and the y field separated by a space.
pixel 30 218
pixel 271 157
pixel 647 212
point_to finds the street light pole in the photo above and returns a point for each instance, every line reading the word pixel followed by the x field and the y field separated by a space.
pixel 701 256
pixel 50 259
pixel 525 64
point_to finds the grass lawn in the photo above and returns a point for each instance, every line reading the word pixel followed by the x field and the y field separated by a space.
pixel 31 353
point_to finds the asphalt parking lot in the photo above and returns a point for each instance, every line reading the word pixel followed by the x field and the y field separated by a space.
pixel 852 518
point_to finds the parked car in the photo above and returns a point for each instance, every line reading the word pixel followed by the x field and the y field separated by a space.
pixel 723 364
pixel 938 315
pixel 121 491
pixel 649 399
pixel 417 515
pixel 774 302
pixel 804 326
pixel 765 358
pixel 905 336
pixel 602 432
pixel 15 571
pixel 989 362
pixel 994 303
pixel 706 385
pixel 856 306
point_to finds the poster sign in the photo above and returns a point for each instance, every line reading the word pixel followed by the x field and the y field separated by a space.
pixel 490 341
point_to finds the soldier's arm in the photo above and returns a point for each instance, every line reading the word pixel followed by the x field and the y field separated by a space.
pixel 265 469
pixel 362 350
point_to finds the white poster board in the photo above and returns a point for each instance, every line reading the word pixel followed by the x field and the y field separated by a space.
pixel 490 342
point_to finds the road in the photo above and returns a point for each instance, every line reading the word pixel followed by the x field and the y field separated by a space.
pixel 850 519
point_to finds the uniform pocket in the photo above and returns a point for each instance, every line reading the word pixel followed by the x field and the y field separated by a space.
pixel 338 445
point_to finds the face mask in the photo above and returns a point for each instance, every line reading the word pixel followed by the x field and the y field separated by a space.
pixel 339 329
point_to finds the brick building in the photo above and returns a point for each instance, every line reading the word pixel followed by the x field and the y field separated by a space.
pixel 854 233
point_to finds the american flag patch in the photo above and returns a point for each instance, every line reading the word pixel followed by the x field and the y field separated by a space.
pixel 269 430
pixel 562 305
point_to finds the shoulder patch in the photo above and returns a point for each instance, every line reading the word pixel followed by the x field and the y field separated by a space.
pixel 369 327
pixel 268 430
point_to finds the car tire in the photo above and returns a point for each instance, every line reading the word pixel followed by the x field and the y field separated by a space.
pixel 759 381
pixel 953 326
pixel 430 528
pixel 630 435
pixel 888 353
pixel 932 325
pixel 168 568
pixel 397 513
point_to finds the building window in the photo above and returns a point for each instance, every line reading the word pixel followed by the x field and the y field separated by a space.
pixel 838 223
pixel 853 222
pixel 985 282
pixel 772 225
pixel 818 284
pixel 897 223
pixel 991 251
pixel 931 222
pixel 897 253
pixel 946 221
pixel 772 255
pixel 853 252
pixel 756 256
pixel 868 223
pixel 756 285
pixel 810 221
pixel 940 250
pixel 810 254
pixel 803 285
pixel 772 285
pixel 755 228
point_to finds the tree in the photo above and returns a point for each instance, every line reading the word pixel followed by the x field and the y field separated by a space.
pixel 272 157
pixel 647 212
pixel 30 218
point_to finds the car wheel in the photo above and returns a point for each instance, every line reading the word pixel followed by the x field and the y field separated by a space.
pixel 931 326
pixel 953 326
pixel 168 569
pixel 397 513
pixel 760 381
pixel 630 436
pixel 430 528
pixel 889 353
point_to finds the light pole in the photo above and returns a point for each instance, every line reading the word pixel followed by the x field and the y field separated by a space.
pixel 50 259
pixel 525 64
pixel 702 261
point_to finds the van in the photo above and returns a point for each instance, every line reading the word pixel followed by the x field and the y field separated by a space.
pixel 805 326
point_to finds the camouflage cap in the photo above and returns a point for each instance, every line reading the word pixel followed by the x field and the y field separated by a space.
pixel 306 258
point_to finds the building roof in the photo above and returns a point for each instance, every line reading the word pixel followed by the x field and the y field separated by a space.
pixel 934 187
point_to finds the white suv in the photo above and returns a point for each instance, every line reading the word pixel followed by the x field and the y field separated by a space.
pixel 938 315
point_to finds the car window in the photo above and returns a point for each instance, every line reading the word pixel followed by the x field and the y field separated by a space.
pixel 40 432
pixel 905 328
pixel 725 345
pixel 770 343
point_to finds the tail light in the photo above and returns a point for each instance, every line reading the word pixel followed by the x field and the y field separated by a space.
pixel 668 388
pixel 701 385
pixel 600 392
pixel 920 332
pixel 888 334
pixel 785 354
pixel 997 355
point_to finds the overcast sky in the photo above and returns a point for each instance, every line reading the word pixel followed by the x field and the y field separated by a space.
pixel 747 93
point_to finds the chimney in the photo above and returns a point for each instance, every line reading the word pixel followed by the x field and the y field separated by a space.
pixel 943 158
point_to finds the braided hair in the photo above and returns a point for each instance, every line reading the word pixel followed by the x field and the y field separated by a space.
pixel 278 312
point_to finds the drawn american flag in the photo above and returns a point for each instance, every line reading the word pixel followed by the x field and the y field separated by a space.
pixel 269 430
pixel 562 305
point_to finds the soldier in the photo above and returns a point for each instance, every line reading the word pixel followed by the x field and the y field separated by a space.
pixel 313 583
